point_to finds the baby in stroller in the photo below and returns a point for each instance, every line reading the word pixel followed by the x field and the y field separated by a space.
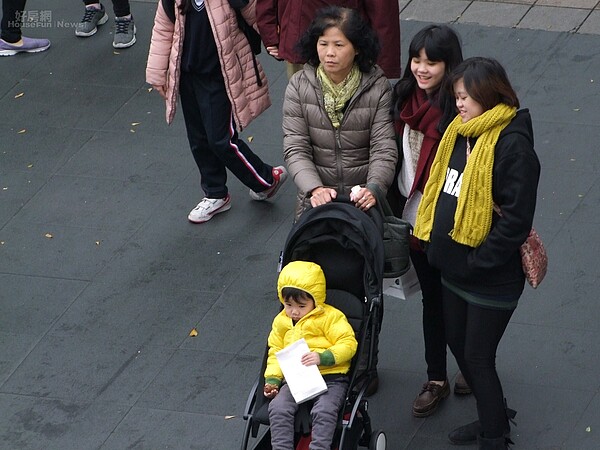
pixel 301 288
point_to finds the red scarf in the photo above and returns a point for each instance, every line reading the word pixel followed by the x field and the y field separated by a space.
pixel 419 113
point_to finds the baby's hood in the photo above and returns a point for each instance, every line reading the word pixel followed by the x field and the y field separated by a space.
pixel 304 275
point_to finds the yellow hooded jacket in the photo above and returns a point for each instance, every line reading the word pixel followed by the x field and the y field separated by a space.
pixel 325 328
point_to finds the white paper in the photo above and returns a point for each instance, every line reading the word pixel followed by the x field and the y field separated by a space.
pixel 305 382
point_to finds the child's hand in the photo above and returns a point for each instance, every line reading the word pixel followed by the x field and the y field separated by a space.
pixel 311 359
pixel 270 390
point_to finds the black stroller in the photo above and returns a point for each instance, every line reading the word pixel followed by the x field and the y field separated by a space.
pixel 346 242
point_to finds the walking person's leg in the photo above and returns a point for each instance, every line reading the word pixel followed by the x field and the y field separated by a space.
pixel 125 30
pixel 94 15
pixel 225 143
pixel 213 174
pixel 11 39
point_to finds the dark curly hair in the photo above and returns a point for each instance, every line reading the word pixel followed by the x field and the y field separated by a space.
pixel 354 27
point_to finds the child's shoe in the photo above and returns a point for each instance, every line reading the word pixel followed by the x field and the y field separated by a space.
pixel 208 207
pixel 279 177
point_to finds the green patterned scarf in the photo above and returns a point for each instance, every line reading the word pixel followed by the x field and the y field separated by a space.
pixel 335 96
pixel 473 216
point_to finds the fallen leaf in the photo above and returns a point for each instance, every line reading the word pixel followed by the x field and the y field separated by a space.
pixel 5 188
pixel 150 89
pixel 1 242
pixel 588 429
pixel 576 109
pixel 22 131
pixel 116 53
pixel 132 131
pixel 229 417
pixel 29 166
pixel 97 242
pixel 48 235
pixel 21 94
pixel 250 138
pixel 134 124
pixel 193 333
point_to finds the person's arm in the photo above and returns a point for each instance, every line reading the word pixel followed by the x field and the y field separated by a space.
pixel 160 48
pixel 340 333
pixel 273 373
pixel 383 155
pixel 516 178
pixel 268 24
pixel 297 145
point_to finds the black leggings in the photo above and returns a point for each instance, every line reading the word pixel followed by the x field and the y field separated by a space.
pixel 12 17
pixel 473 334
pixel 120 7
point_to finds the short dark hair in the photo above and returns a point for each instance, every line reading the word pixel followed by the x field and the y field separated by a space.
pixel 486 82
pixel 295 294
pixel 441 44
pixel 355 28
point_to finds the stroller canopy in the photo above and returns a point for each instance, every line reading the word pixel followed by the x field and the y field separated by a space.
pixel 346 242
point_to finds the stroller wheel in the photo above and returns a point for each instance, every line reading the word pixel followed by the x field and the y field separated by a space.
pixel 378 440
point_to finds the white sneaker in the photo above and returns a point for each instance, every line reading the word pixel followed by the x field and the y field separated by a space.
pixel 208 207
pixel 279 177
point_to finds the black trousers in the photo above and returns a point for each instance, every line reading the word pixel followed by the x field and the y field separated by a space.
pixel 12 12
pixel 434 333
pixel 214 140
pixel 473 334
pixel 120 7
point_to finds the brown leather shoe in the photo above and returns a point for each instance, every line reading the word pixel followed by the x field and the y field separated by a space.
pixel 430 397
pixel 461 387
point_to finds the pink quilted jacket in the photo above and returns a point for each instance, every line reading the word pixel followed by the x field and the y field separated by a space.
pixel 248 99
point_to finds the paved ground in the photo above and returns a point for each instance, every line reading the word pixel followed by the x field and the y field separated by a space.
pixel 102 277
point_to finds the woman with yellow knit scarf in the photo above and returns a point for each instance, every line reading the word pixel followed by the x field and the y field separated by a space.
pixel 484 161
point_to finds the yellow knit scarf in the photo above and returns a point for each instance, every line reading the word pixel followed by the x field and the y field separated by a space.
pixel 473 216
pixel 335 96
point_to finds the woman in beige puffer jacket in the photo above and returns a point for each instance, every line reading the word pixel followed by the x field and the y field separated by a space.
pixel 362 150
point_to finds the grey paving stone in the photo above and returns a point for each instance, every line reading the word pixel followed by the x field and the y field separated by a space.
pixel 587 209
pixel 38 151
pixel 203 382
pixel 145 428
pixel 93 203
pixel 553 19
pixel 30 306
pixel 591 25
pixel 15 347
pixel 29 423
pixel 434 10
pixel 56 250
pixel 120 157
pixel 494 14
pixel 584 432
pixel 16 190
pixel 587 4
pixel 549 354
pixel 562 300
pixel 143 317
pixel 83 369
